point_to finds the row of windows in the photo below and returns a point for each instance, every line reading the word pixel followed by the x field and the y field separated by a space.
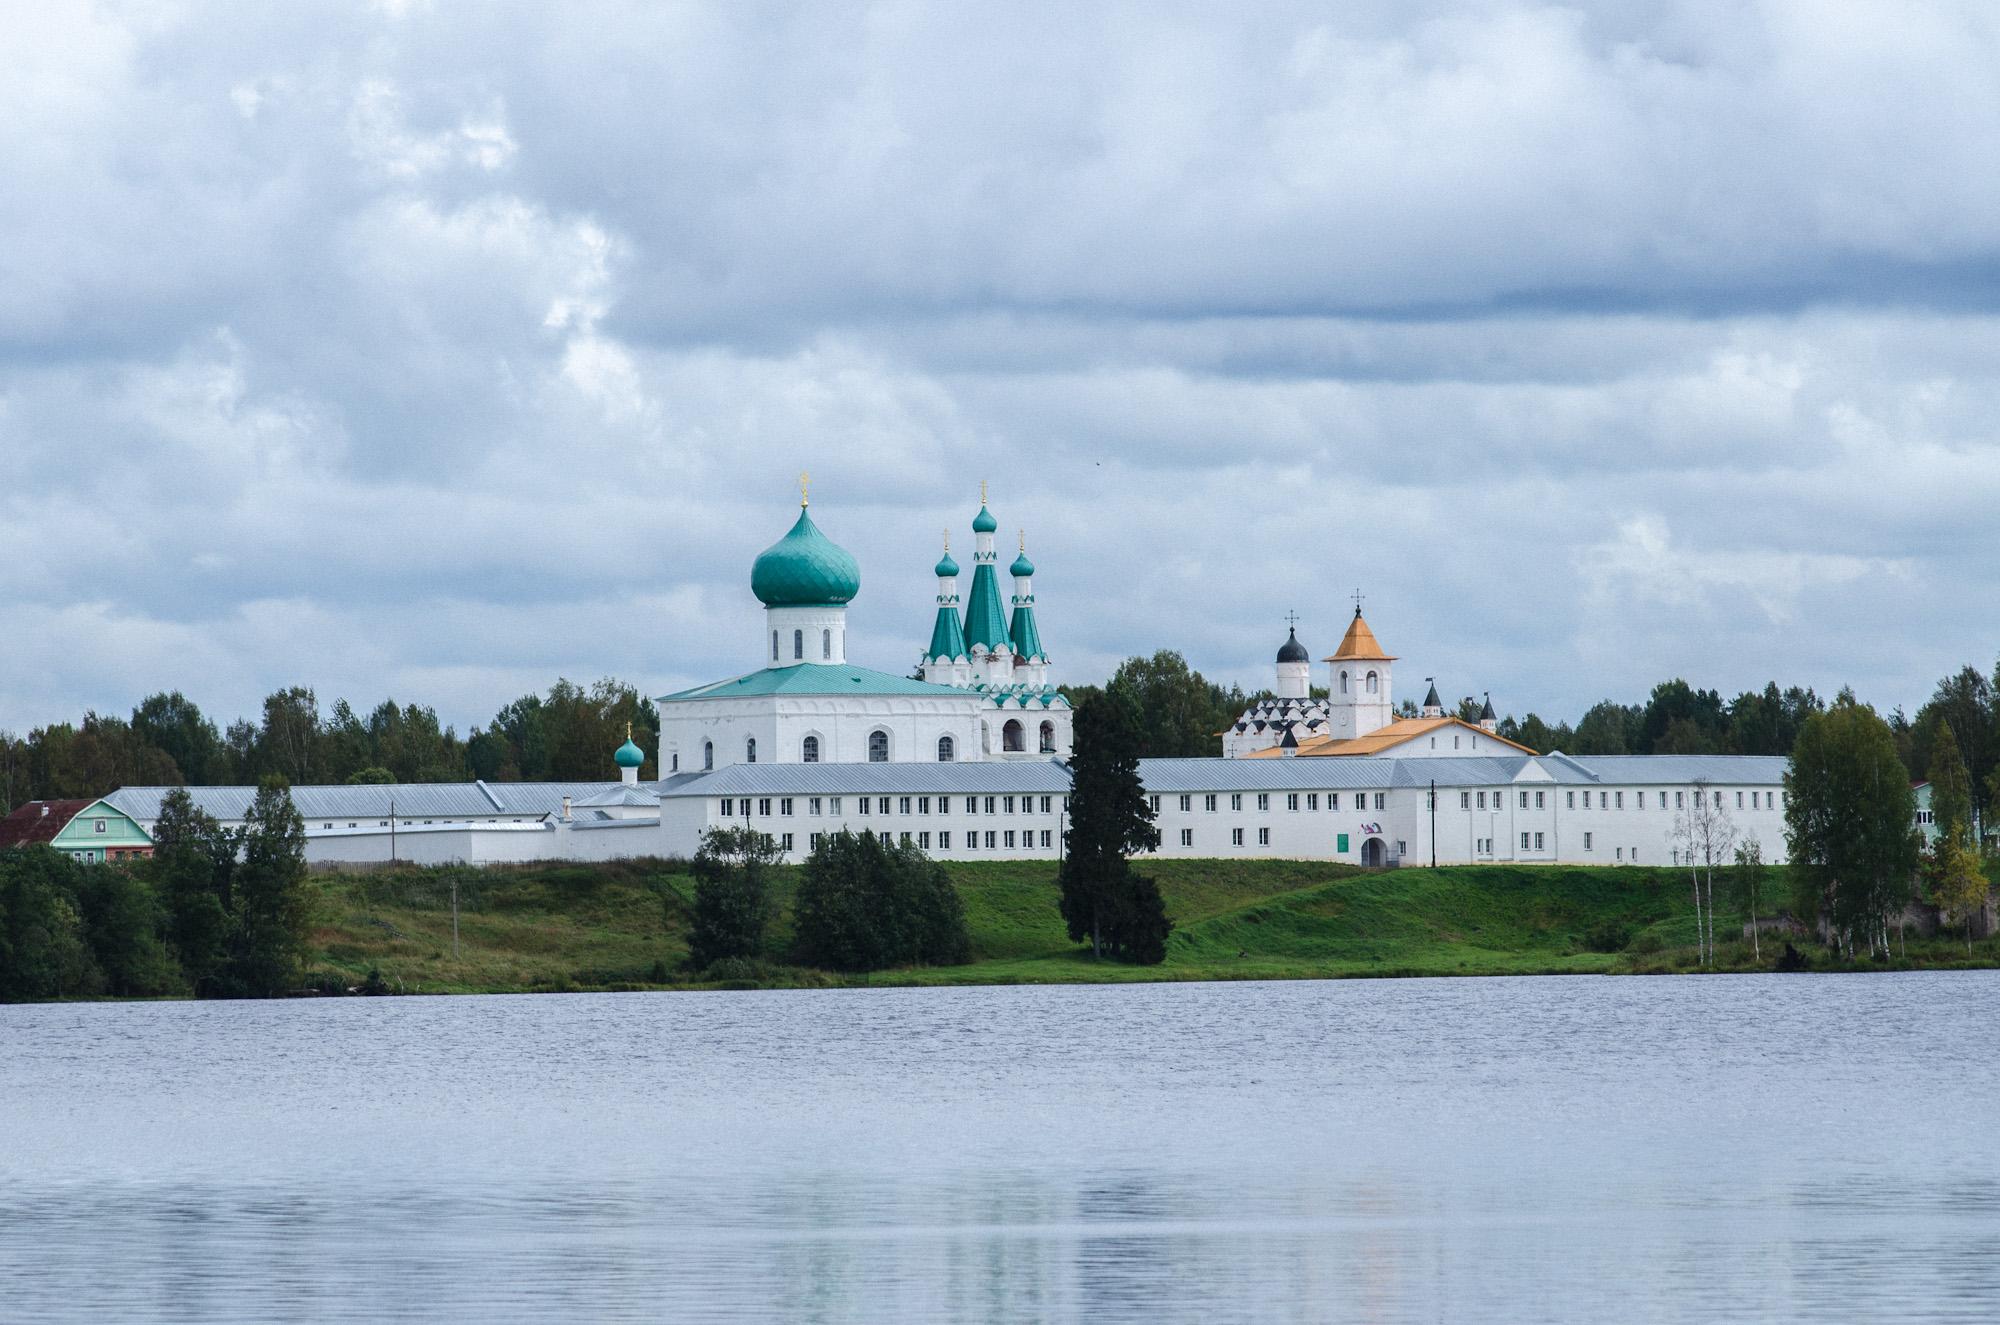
pixel 881 805
pixel 412 823
pixel 1013 740
pixel 996 840
pixel 799 645
pixel 1211 801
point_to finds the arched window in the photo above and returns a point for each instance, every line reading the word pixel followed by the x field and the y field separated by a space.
pixel 1374 684
pixel 707 755
pixel 1048 738
pixel 1343 683
pixel 1012 739
pixel 774 646
pixel 878 747
pixel 826 644
pixel 799 644
pixel 947 749
pixel 677 761
pixel 809 750
pixel 750 751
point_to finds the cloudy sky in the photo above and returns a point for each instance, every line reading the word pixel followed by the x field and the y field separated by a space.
pixel 437 350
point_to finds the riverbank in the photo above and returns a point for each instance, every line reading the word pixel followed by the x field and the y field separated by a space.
pixel 624 926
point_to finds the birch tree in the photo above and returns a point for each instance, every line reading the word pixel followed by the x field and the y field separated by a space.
pixel 1706 835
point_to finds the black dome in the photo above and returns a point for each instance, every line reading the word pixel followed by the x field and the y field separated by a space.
pixel 1293 651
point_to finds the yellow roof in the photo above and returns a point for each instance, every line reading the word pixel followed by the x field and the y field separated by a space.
pixel 1358 644
pixel 1399 732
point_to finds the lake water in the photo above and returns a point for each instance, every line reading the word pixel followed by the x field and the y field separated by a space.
pixel 1725 1148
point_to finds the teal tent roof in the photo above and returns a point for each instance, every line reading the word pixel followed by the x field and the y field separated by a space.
pixel 810 679
pixel 805 568
pixel 1027 640
pixel 629 755
pixel 985 618
pixel 947 639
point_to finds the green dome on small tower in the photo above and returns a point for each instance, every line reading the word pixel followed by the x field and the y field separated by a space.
pixel 629 754
pixel 1022 566
pixel 984 523
pixel 805 568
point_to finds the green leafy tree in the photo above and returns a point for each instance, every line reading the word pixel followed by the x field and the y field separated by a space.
pixel 1951 788
pixel 1849 816
pixel 732 894
pixel 193 866
pixel 43 950
pixel 864 905
pixel 288 743
pixel 1110 819
pixel 1181 713
pixel 1607 728
pixel 173 724
pixel 1749 878
pixel 1961 890
pixel 1965 704
pixel 271 914
pixel 122 922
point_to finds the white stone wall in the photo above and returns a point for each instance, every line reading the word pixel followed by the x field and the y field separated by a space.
pixel 729 723
pixel 1353 709
pixel 816 628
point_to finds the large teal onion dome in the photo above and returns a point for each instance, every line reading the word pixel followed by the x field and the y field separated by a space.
pixel 805 568
pixel 1022 567
pixel 984 523
pixel 629 755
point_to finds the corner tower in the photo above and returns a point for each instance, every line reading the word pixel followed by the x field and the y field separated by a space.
pixel 805 581
pixel 1359 695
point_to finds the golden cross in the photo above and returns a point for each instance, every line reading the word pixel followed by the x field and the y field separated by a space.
pixel 1024 540
pixel 628 731
pixel 805 480
pixel 982 492
pixel 947 540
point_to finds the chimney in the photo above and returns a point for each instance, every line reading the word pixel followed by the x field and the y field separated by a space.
pixel 45 810
pixel 565 808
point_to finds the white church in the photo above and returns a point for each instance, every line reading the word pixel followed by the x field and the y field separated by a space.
pixel 967 760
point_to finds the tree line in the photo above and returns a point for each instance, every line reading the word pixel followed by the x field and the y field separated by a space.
pixel 567 735
pixel 215 912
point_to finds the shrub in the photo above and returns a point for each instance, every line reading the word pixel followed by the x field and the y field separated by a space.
pixel 1648 944
pixel 864 905
pixel 732 903
pixel 1607 936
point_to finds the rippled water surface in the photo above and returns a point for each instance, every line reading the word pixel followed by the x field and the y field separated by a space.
pixel 1754 1148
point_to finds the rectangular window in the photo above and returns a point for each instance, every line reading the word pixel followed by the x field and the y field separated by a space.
pixel 1663 800
pixel 1586 841
pixel 1009 804
pixel 1047 801
pixel 882 805
pixel 944 841
pixel 1465 800
pixel 1333 800
pixel 1154 801
pixel 972 805
pixel 1291 800
pixel 1208 802
pixel 1620 799
pixel 1538 841
pixel 1187 837
pixel 1264 800
pixel 833 805
pixel 1570 804
pixel 785 842
pixel 1541 801
pixel 972 841
pixel 785 806
pixel 1381 800
pixel 1236 837
pixel 1618 853
pixel 1482 800
pixel 814 840
pixel 903 805
pixel 764 806
pixel 923 805
pixel 1235 800
pixel 924 841
pixel 886 836
pixel 906 839
pixel 1263 837
pixel 989 839
pixel 812 805
pixel 1187 804
pixel 1047 839
pixel 1010 839
pixel 1524 800
pixel 1680 800
pixel 1524 841
pixel 989 810
pixel 1312 800
pixel 861 804
pixel 728 808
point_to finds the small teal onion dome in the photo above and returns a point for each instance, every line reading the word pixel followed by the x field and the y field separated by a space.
pixel 805 568
pixel 1021 567
pixel 629 755
pixel 947 568
pixel 984 523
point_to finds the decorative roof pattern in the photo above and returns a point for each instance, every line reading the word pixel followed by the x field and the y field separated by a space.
pixel 1022 632
pixel 805 568
pixel 985 618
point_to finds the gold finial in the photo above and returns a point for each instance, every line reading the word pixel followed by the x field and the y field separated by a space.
pixel 947 540
pixel 982 492
pixel 628 731
pixel 1024 540
pixel 805 482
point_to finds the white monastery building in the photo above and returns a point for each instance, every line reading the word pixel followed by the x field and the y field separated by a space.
pixel 967 759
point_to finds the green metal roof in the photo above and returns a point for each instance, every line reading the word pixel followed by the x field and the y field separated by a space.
pixel 810 679
pixel 1027 639
pixel 947 639
pixel 985 619
pixel 805 568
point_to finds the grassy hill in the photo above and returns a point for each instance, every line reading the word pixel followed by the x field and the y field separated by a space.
pixel 624 925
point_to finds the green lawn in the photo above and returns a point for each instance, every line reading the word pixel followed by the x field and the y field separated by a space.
pixel 624 925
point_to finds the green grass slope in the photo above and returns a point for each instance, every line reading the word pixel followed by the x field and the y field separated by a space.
pixel 624 925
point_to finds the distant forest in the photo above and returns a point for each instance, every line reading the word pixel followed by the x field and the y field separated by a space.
pixel 569 733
